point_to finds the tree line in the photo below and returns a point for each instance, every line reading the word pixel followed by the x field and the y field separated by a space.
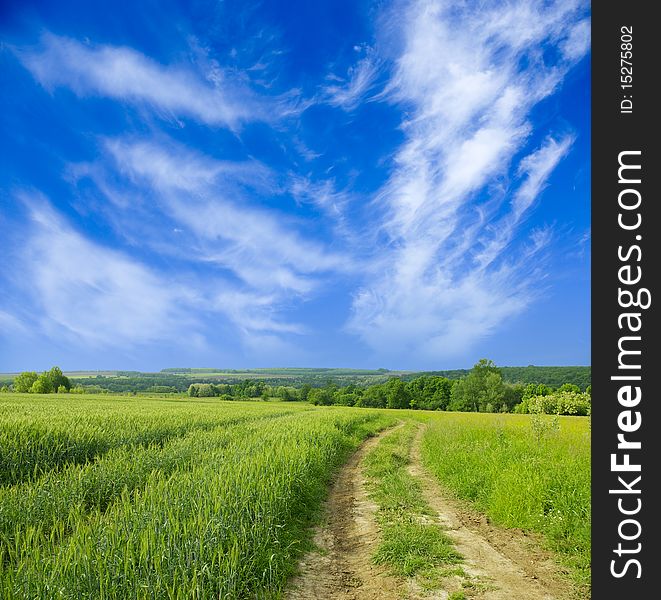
pixel 49 382
pixel 482 389
pixel 553 377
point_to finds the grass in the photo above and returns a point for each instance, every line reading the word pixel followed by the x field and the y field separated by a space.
pixel 122 497
pixel 219 512
pixel 39 435
pixel 410 544
pixel 526 471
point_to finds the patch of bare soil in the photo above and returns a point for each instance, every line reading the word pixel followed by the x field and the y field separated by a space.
pixel 341 567
pixel 506 564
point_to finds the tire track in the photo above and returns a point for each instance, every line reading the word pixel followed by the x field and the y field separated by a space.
pixel 341 568
pixel 505 563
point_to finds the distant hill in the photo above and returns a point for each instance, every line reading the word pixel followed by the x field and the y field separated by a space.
pixel 180 378
pixel 553 376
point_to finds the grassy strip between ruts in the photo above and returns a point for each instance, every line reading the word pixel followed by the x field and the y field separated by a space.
pixel 412 544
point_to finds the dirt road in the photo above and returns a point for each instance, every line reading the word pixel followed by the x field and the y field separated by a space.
pixel 505 563
pixel 348 536
pixel 501 564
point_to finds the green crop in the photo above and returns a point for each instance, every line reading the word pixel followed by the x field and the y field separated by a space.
pixel 220 507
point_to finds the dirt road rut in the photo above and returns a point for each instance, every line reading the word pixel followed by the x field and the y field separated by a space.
pixel 501 564
pixel 505 564
pixel 341 568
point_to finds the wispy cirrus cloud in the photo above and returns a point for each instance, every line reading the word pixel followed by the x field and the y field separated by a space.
pixel 210 199
pixel 428 227
pixel 210 95
pixel 469 77
pixel 350 92
pixel 205 212
pixel 535 169
pixel 93 294
pixel 87 293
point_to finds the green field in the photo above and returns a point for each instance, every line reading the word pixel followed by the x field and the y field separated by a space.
pixel 135 497
pixel 526 471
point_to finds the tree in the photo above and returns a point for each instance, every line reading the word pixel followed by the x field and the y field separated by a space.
pixel 58 379
pixel 536 389
pixel 374 397
pixel 512 396
pixel 493 394
pixel 484 366
pixel 482 386
pixel 305 391
pixel 287 394
pixel 320 397
pixel 430 392
pixel 569 387
pixel 346 397
pixel 397 394
pixel 201 390
pixel 42 385
pixel 23 382
pixel 462 398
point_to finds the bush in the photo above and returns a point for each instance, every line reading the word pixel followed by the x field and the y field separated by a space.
pixel 93 389
pixel 558 403
pixel 542 405
pixel 569 387
pixel 23 382
pixel 162 389
pixel 46 383
pixel 201 390
pixel 574 403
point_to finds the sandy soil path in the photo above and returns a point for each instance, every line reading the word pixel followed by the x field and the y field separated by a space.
pixel 347 538
pixel 507 563
pixel 503 564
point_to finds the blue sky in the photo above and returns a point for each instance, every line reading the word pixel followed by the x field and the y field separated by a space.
pixel 366 184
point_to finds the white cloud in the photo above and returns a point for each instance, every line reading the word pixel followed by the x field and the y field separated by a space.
pixel 100 297
pixel 350 92
pixel 96 294
pixel 468 77
pixel 10 323
pixel 578 41
pixel 449 260
pixel 260 262
pixel 536 168
pixel 209 199
pixel 214 98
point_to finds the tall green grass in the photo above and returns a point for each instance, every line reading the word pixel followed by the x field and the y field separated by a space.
pixel 67 495
pixel 39 434
pixel 411 542
pixel 217 513
pixel 525 471
pixel 119 497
